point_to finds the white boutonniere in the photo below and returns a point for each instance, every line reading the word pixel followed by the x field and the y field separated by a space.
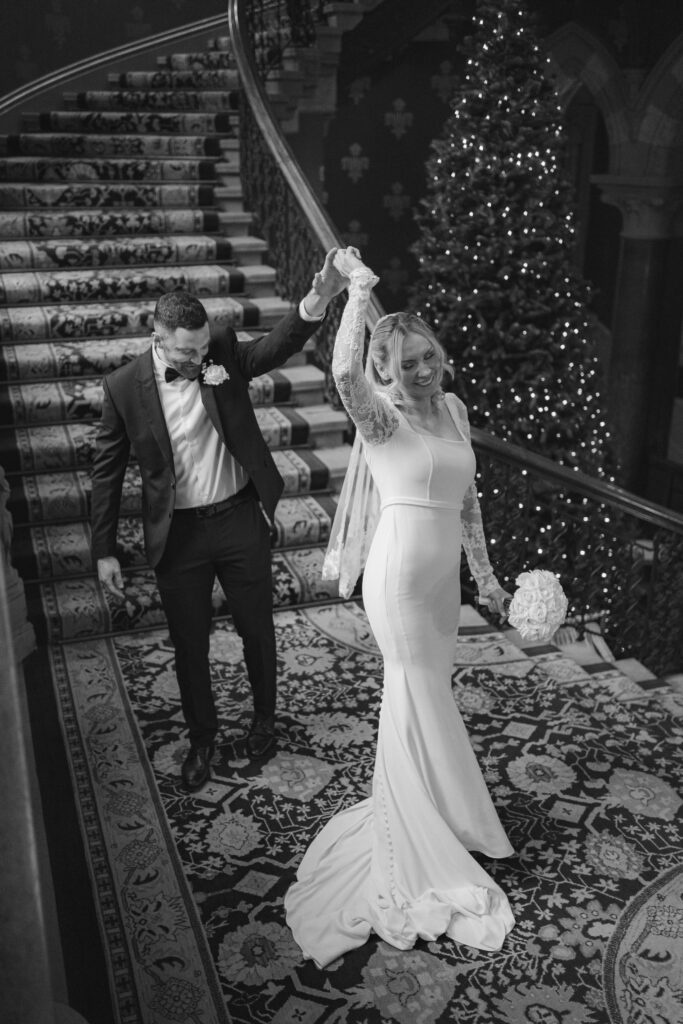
pixel 214 374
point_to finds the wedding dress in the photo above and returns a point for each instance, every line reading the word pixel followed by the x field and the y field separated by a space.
pixel 398 862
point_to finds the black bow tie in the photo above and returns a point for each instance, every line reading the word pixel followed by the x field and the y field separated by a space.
pixel 171 375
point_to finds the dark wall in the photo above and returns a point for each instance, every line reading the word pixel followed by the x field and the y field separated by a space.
pixel 39 37
pixel 375 153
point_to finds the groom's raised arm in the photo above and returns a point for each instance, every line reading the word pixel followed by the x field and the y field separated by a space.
pixel 292 332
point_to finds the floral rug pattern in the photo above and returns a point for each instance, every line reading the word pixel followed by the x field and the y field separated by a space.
pixel 583 766
pixel 117 169
pixel 136 98
pixel 82 253
pixel 91 222
pixel 64 548
pixel 81 398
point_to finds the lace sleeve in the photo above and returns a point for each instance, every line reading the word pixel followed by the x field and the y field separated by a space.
pixel 375 419
pixel 473 537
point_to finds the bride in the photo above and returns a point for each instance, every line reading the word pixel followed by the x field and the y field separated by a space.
pixel 399 863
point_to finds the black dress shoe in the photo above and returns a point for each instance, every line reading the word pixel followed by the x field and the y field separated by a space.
pixel 196 770
pixel 261 736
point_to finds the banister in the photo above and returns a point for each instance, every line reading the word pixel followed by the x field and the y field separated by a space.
pixel 619 556
pixel 591 487
pixel 117 56
pixel 318 218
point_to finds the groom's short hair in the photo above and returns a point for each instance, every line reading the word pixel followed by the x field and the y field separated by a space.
pixel 179 309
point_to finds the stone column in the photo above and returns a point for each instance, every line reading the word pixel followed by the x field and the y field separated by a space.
pixel 647 318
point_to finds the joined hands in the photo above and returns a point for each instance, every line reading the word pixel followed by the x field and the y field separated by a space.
pixel 348 260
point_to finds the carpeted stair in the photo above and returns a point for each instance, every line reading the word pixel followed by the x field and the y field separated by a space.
pixel 124 194
pixel 132 190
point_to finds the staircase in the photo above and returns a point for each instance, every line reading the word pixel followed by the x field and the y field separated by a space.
pixel 127 192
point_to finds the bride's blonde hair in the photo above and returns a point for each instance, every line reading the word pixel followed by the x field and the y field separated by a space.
pixel 385 350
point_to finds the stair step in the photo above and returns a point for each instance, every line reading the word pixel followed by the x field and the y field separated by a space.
pixel 51 170
pixel 126 251
pixel 325 424
pixel 74 221
pixel 77 358
pixel 674 682
pixel 36 286
pixel 228 196
pixel 68 359
pixel 150 122
pixel 50 497
pixel 219 43
pixel 55 447
pixel 84 222
pixel 58 550
pixel 635 670
pixel 74 145
pixel 120 195
pixel 115 319
pixel 345 16
pixel 201 79
pixel 201 60
pixel 80 398
pixel 99 195
pixel 77 608
pixel 153 99
pixel 336 459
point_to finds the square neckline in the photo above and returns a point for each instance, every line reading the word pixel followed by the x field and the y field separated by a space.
pixel 438 437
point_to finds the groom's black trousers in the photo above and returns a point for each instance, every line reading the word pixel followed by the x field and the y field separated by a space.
pixel 234 545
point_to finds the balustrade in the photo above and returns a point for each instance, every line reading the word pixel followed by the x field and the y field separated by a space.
pixel 620 558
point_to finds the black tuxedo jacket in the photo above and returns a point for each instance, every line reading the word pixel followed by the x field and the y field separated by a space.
pixel 132 417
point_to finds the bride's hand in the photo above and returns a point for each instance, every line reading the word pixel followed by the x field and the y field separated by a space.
pixel 497 602
pixel 348 260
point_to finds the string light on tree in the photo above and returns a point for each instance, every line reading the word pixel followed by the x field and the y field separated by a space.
pixel 496 276
pixel 497 279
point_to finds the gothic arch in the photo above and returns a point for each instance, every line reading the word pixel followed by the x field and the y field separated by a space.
pixel 577 57
pixel 658 115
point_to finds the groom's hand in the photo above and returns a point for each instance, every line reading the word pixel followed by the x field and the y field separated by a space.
pixel 348 260
pixel 109 575
pixel 327 283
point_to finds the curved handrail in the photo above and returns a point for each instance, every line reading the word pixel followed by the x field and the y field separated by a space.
pixel 325 231
pixel 591 487
pixel 56 79
pixel 318 218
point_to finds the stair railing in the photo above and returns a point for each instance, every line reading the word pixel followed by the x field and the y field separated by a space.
pixel 287 211
pixel 619 557
pixel 273 26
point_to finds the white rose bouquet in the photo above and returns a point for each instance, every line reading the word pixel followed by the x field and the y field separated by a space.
pixel 539 605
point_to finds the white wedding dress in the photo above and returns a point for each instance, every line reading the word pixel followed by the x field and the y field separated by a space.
pixel 397 863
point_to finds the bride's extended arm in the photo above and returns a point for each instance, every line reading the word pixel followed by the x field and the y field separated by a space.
pixel 375 419
pixel 474 539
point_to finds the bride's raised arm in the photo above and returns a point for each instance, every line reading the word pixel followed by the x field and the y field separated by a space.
pixel 374 417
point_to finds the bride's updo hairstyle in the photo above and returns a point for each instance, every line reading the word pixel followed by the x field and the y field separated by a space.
pixel 385 351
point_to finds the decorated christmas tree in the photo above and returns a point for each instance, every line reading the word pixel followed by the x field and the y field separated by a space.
pixel 496 275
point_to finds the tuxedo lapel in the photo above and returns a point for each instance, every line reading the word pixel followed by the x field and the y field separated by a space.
pixel 151 404
pixel 208 394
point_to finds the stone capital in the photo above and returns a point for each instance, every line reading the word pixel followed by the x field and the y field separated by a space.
pixel 650 207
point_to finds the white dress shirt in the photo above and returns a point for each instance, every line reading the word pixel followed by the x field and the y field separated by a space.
pixel 205 471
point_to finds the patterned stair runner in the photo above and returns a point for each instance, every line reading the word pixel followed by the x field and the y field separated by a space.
pixel 124 194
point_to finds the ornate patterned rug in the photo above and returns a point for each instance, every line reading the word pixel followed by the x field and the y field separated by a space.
pixel 644 958
pixel 583 765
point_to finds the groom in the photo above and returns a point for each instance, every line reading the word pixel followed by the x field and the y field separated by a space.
pixel 209 491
